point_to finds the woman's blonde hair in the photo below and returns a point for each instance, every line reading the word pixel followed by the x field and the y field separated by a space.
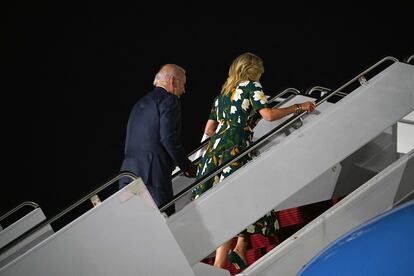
pixel 245 67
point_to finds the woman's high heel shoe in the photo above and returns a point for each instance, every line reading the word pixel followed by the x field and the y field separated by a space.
pixel 235 259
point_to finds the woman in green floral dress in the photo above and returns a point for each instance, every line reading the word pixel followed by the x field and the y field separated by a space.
pixel 230 125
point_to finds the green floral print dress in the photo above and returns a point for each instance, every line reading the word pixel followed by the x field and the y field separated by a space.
pixel 237 115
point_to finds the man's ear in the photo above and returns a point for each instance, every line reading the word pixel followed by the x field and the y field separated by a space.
pixel 171 82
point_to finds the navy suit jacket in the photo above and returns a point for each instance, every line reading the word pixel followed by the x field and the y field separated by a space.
pixel 153 146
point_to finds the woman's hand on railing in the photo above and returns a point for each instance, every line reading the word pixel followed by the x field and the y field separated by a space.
pixel 307 106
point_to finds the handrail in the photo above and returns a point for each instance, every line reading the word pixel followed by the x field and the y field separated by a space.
pixel 204 143
pixel 409 59
pixel 265 137
pixel 21 205
pixel 287 90
pixel 243 152
pixel 342 94
pixel 388 58
pixel 323 90
pixel 66 210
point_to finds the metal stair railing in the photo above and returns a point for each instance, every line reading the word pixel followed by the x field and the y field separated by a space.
pixel 205 142
pixel 270 134
pixel 409 59
pixel 17 208
pixel 65 211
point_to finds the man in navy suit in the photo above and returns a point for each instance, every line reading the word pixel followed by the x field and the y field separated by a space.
pixel 153 146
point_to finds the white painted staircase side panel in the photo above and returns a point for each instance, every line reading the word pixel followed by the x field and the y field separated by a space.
pixel 124 235
pixel 283 170
pixel 373 198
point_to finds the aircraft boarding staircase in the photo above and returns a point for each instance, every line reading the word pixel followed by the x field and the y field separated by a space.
pixel 127 235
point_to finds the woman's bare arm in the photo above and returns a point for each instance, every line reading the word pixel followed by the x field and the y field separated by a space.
pixel 271 114
pixel 211 127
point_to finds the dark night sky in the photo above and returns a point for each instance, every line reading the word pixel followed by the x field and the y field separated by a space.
pixel 76 69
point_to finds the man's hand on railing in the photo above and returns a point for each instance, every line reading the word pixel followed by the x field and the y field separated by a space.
pixel 191 171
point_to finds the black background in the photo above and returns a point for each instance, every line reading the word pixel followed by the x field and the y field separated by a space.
pixel 74 70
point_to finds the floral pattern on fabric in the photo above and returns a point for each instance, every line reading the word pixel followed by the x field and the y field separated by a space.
pixel 237 115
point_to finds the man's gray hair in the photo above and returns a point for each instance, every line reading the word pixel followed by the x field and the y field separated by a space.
pixel 166 71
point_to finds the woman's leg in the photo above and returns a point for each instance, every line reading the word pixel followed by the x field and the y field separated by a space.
pixel 241 247
pixel 221 254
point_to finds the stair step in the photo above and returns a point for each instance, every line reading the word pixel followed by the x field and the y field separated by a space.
pixel 290 221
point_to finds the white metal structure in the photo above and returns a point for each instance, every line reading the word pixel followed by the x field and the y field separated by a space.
pixel 388 188
pixel 19 227
pixel 127 235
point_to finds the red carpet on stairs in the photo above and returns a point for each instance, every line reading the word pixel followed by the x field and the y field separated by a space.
pixel 290 221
